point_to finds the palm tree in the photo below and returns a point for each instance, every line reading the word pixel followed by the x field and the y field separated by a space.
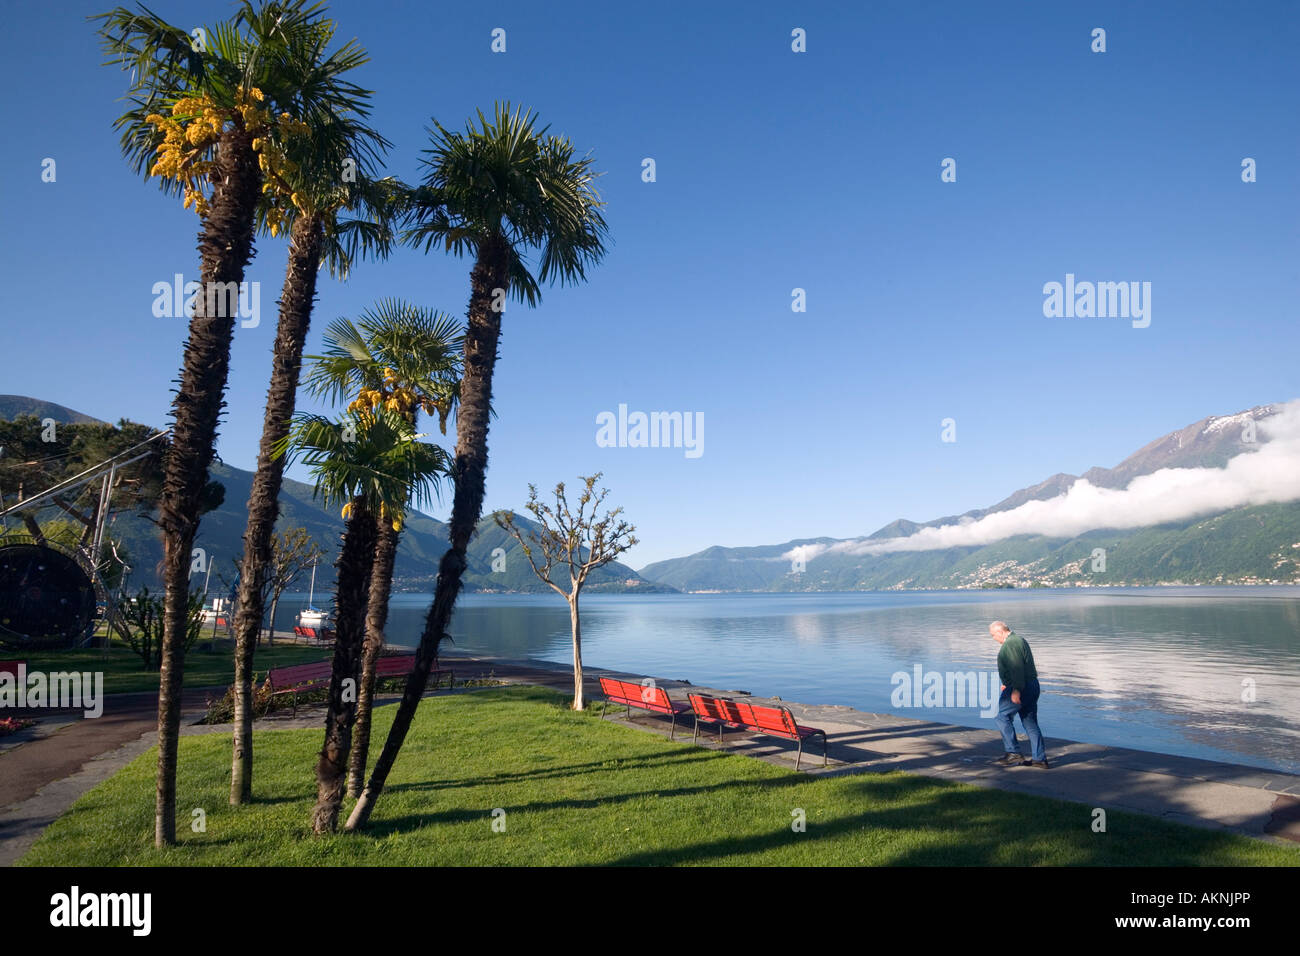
pixel 310 194
pixel 498 191
pixel 375 463
pixel 200 119
pixel 406 359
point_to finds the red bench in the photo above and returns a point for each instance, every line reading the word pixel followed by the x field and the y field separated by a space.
pixel 386 668
pixel 11 667
pixel 307 678
pixel 315 633
pixel 772 721
pixel 300 679
pixel 644 696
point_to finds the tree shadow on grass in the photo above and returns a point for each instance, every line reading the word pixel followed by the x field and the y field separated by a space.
pixel 639 761
pixel 270 801
pixel 411 822
pixel 987 830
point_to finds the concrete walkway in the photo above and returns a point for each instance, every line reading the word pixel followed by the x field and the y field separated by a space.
pixel 65 755
pixel 1246 800
pixel 45 769
pixel 48 771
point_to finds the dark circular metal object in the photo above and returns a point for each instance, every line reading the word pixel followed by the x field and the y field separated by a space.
pixel 46 599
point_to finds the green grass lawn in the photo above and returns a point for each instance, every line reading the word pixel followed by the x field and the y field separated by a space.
pixel 124 671
pixel 575 790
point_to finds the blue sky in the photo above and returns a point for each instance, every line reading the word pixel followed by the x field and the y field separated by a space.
pixel 775 170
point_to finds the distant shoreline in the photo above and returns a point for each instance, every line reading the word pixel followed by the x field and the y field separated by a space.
pixel 1062 589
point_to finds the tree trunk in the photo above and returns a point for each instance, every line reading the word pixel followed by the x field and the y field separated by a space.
pixel 578 702
pixel 381 582
pixel 225 247
pixel 350 598
pixel 270 636
pixel 482 333
pixel 296 301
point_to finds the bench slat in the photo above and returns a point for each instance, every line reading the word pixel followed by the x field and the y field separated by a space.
pixel 646 696
pixel 759 718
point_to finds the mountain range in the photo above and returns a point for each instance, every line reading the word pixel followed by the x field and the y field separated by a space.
pixel 423 541
pixel 1247 544
pixel 1243 545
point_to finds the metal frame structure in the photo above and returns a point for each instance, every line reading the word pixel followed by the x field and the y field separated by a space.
pixel 89 557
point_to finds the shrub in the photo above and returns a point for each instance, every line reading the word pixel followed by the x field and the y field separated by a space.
pixel 222 710
pixel 140 624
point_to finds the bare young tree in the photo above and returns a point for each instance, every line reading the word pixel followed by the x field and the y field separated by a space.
pixel 293 551
pixel 581 542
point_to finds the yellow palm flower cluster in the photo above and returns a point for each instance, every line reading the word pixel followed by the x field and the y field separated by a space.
pixel 393 516
pixel 195 125
pixel 367 399
pixel 393 395
pixel 188 134
pixel 279 170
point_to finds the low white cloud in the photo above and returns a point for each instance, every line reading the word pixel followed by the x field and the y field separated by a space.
pixel 1267 475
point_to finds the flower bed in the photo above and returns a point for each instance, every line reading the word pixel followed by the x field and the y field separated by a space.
pixel 11 725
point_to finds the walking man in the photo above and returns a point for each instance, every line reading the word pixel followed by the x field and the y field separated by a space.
pixel 1020 692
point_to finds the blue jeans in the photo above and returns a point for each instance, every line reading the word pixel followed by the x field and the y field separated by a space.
pixel 1028 711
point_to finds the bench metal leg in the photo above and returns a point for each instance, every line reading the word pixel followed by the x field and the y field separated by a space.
pixel 798 758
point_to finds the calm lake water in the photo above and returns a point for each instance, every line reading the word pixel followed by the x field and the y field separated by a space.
pixel 1161 669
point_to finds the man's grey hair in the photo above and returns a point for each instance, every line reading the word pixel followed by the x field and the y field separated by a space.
pixel 999 626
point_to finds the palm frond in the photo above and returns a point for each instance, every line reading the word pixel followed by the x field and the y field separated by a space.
pixel 504 178
pixel 377 457
pixel 421 345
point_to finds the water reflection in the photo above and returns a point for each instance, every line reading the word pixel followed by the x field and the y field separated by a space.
pixel 1156 669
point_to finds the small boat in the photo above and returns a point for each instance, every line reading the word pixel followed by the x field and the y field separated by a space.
pixel 216 613
pixel 312 616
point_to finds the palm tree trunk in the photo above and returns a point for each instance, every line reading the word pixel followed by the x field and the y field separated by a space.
pixel 482 333
pixel 351 591
pixel 578 702
pixel 381 582
pixel 225 247
pixel 296 300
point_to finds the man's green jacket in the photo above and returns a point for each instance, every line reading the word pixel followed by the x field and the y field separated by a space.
pixel 1016 663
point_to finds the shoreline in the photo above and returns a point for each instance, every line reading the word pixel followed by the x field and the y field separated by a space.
pixel 1249 800
pixel 1254 802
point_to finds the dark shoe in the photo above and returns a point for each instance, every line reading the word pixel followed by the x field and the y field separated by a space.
pixel 1011 760
pixel 1041 764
